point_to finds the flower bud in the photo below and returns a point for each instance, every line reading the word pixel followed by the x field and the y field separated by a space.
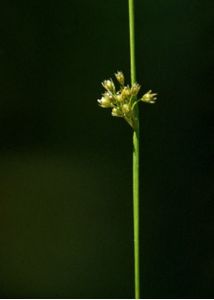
pixel 126 108
pixel 126 92
pixel 135 89
pixel 119 98
pixel 120 77
pixel 116 112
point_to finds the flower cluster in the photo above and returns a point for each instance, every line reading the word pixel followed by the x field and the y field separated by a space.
pixel 123 101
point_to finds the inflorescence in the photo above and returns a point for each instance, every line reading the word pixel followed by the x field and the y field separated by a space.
pixel 123 101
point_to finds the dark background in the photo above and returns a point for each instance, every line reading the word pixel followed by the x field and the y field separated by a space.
pixel 66 164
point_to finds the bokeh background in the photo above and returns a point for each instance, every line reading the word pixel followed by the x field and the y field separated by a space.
pixel 66 164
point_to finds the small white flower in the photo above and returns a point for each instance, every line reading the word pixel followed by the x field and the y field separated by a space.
pixel 105 102
pixel 149 97
pixel 120 77
pixel 109 85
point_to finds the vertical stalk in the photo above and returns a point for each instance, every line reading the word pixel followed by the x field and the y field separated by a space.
pixel 135 157
pixel 136 212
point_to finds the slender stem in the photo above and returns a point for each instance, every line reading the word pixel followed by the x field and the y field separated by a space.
pixel 132 41
pixel 136 147
pixel 136 212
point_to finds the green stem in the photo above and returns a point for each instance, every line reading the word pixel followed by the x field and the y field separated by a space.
pixel 136 212
pixel 136 147
pixel 132 41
